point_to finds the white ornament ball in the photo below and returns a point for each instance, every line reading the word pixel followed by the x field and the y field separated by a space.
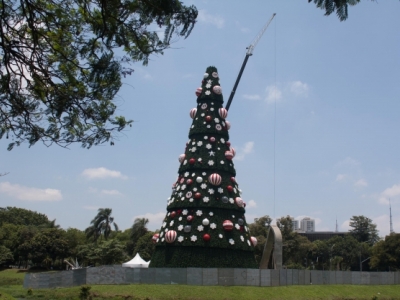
pixel 239 201
pixel 181 158
pixel 206 75
pixel 199 179
pixel 228 125
pixel 223 113
pixel 206 222
pixel 170 236
pixel 253 241
pixel 193 112
pixel 215 179
pixel 217 89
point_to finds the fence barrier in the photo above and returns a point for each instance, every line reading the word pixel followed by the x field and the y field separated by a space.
pixel 204 276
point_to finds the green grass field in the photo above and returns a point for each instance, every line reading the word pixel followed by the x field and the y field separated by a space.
pixel 11 285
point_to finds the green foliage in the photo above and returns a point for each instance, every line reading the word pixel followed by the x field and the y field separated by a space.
pixel 59 72
pixel 46 246
pixel 84 292
pixel 386 254
pixel 20 216
pixel 101 225
pixel 29 292
pixel 202 257
pixel 363 230
pixel 103 253
pixel 145 246
pixel 74 237
pixel 340 6
pixel 5 255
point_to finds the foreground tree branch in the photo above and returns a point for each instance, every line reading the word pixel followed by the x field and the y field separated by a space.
pixel 58 70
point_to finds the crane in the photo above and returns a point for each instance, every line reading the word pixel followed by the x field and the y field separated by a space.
pixel 249 53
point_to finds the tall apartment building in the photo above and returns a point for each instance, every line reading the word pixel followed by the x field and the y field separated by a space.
pixel 295 224
pixel 307 225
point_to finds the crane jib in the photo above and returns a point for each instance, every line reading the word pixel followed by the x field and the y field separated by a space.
pixel 249 52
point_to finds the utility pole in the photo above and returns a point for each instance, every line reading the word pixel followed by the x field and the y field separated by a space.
pixel 249 53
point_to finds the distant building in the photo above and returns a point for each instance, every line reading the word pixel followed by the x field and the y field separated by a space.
pixel 295 224
pixel 307 225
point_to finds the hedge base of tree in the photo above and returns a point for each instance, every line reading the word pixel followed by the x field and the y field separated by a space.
pixel 199 257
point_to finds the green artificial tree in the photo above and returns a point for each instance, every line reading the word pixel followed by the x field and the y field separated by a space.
pixel 205 224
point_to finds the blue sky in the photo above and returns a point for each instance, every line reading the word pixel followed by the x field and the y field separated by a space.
pixel 321 94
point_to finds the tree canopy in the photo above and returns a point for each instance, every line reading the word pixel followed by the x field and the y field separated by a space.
pixel 363 230
pixel 59 72
pixel 21 216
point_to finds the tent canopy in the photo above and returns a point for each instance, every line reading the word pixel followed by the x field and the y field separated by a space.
pixel 136 262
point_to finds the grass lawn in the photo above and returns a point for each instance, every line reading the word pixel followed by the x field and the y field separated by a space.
pixel 11 284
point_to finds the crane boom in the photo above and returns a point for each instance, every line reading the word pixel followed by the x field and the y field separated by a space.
pixel 249 52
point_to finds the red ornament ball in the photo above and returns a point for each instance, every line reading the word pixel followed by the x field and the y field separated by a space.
pixel 208 118
pixel 198 91
pixel 227 225
pixel 233 179
pixel 189 181
pixel 229 188
pixel 179 211
pixel 192 161
pixel 197 195
pixel 193 112
pixel 228 155
pixel 189 218
pixel 172 214
pixel 223 113
pixel 155 237
pixel 206 237
pixel 212 139
pixel 170 236
pixel 215 179
pixel 228 143
pixel 233 151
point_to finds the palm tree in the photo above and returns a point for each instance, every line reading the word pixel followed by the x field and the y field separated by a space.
pixel 101 224
pixel 139 228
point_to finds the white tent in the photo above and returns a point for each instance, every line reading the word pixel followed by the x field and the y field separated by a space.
pixel 136 262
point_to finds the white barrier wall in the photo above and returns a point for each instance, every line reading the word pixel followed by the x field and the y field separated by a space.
pixel 207 276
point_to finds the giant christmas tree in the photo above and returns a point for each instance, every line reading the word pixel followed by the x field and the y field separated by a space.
pixel 205 224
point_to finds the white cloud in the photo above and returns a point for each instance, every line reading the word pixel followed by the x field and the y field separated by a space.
pixel 345 226
pixel 111 192
pixel 251 203
pixel 389 193
pixel 341 177
pixel 155 220
pixel 243 151
pixel 207 18
pixel 252 97
pixel 348 161
pixel 101 173
pixel 273 94
pixel 299 88
pixel 30 194
pixel 361 183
